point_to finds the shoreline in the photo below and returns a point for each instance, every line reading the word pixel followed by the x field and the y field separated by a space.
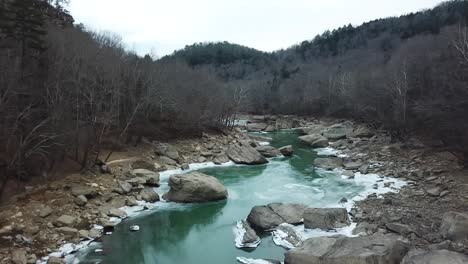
pixel 389 159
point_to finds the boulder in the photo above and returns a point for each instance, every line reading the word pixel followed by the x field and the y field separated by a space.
pixel 246 237
pixel 151 178
pixel 434 191
pixel 256 127
pixel 164 149
pixel 290 213
pixel 326 218
pixel 270 216
pixel 455 226
pixel 244 154
pixel 86 191
pixel 117 213
pixel 220 159
pixel 329 163
pixel 123 187
pixel 55 260
pixel 434 257
pixel 399 228
pixel 131 201
pixel 315 140
pixel 107 223
pixel 365 228
pixel 167 161
pixel 268 151
pixel 69 231
pixel 195 187
pixel 354 165
pixel 287 151
pixel 363 132
pixel 45 211
pixel 18 256
pixel 67 220
pixel 270 128
pixel 337 131
pixel 80 200
pixel 143 164
pixel 149 195
pixel 375 249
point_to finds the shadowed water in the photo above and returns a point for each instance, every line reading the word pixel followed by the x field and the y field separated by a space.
pixel 196 234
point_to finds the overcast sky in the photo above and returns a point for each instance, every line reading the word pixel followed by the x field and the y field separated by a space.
pixel 167 25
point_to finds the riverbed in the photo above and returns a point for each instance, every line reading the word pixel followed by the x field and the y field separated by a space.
pixel 203 233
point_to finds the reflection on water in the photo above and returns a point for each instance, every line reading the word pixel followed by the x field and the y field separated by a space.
pixel 195 234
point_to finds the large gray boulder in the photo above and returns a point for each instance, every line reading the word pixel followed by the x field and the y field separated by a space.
pixel 268 151
pixel 266 217
pixel 195 187
pixel 287 151
pixel 375 249
pixel 18 256
pixel 245 154
pixel 164 149
pixel 149 195
pixel 326 218
pixel 337 131
pixel 330 163
pixel 363 132
pixel 220 159
pixel 88 192
pixel 455 226
pixel 67 220
pixel 142 164
pixel 434 257
pixel 315 140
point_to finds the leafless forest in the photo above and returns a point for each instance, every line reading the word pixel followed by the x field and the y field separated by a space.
pixel 67 93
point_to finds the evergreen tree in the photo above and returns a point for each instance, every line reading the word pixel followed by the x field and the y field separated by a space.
pixel 29 30
pixel 29 24
pixel 6 28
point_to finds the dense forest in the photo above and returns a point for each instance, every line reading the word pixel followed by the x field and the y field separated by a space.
pixel 407 74
pixel 68 93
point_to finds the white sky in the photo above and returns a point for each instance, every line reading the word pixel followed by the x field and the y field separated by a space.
pixel 167 25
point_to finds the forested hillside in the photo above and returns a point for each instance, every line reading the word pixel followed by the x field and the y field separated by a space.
pixel 406 73
pixel 66 92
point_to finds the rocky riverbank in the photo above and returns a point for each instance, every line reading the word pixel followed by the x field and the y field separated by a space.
pixel 425 222
pixel 424 213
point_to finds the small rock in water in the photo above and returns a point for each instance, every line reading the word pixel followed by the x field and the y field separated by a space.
pixel 344 200
pixel 135 228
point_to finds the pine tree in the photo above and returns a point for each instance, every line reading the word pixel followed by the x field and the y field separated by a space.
pixel 29 29
pixel 6 20
pixel 29 24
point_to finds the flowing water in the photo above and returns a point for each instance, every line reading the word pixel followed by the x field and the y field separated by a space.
pixel 203 233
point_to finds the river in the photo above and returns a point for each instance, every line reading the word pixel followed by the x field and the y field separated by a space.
pixel 203 233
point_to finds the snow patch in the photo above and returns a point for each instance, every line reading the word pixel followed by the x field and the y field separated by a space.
pixel 329 151
pixel 239 232
pixel 252 261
